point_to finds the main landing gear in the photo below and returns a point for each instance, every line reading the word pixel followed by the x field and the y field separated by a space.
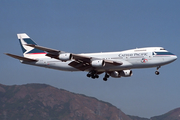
pixel 93 74
pixel 157 71
pixel 106 77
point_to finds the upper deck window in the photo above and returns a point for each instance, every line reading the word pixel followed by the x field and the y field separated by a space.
pixel 163 53
pixel 140 50
pixel 162 49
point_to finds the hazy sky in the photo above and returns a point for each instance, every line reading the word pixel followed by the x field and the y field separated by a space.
pixel 83 26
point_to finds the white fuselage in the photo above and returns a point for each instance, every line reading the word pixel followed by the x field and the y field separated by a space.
pixel 131 59
pixel 114 64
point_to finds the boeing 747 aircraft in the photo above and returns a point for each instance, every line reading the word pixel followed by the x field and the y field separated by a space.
pixel 114 64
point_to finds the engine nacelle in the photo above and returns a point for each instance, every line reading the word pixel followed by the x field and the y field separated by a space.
pixel 122 73
pixel 115 74
pixel 65 56
pixel 126 73
pixel 98 63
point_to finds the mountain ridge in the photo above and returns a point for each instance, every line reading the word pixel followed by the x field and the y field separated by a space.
pixel 41 101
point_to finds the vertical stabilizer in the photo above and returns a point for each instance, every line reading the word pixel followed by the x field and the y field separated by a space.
pixel 27 50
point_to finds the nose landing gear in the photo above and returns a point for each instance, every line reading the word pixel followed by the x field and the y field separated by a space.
pixel 157 70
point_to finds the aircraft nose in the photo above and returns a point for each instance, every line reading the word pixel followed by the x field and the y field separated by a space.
pixel 175 57
pixel 172 58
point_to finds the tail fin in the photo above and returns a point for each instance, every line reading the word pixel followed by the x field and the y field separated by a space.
pixel 27 50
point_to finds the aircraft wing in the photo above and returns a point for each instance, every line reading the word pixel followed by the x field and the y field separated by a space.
pixel 84 62
pixel 89 59
pixel 49 50
pixel 21 58
pixel 80 62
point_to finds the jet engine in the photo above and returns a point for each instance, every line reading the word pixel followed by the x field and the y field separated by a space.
pixel 126 73
pixel 115 74
pixel 65 56
pixel 98 63
pixel 122 73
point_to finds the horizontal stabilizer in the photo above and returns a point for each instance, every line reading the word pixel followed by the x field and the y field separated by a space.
pixel 21 58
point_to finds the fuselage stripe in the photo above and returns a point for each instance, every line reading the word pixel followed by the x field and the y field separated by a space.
pixel 35 53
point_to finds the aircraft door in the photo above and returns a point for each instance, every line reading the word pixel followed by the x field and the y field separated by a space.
pixel 150 55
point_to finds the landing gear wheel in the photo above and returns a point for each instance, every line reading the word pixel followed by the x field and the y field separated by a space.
pixel 88 75
pixel 105 79
pixel 157 72
pixel 93 76
pixel 96 76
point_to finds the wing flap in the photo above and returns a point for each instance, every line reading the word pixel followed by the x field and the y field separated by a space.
pixel 80 65
pixel 21 58
pixel 116 63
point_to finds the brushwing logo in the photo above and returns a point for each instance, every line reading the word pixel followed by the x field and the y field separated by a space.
pixel 144 60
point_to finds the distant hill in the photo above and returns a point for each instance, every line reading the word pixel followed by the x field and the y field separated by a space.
pixel 44 102
pixel 137 118
pixel 172 115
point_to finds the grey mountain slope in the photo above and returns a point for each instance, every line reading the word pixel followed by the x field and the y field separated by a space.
pixel 40 101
